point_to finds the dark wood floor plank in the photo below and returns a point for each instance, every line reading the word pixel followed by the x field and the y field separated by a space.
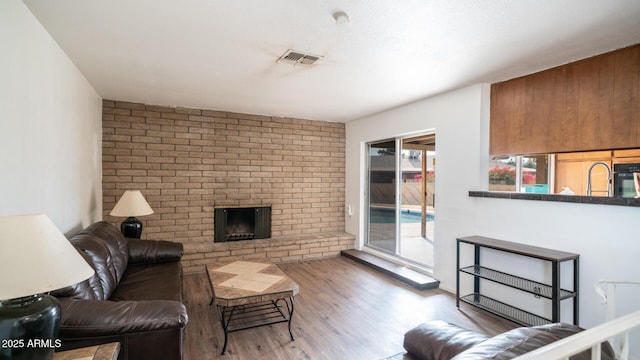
pixel 345 310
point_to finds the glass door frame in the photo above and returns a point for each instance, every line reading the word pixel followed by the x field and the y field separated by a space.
pixel 368 197
pixel 398 198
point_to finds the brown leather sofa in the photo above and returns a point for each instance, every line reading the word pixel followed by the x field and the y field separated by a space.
pixel 134 297
pixel 439 340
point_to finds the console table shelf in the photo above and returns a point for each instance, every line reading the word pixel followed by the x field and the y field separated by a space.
pixel 516 282
pixel 506 311
pixel 551 291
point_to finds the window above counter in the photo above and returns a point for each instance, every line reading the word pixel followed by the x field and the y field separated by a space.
pixel 594 177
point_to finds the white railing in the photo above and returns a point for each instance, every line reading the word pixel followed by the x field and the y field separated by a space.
pixel 592 338
pixel 608 294
pixel 588 339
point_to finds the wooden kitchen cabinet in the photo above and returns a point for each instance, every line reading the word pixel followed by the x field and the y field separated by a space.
pixel 591 104
pixel 574 174
pixel 572 171
pixel 508 127
pixel 570 174
pixel 626 156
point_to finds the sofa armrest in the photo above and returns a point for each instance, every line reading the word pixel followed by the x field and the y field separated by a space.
pixel 92 318
pixel 154 251
pixel 437 340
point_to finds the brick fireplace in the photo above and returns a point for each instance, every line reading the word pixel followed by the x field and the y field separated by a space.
pixel 187 162
pixel 242 223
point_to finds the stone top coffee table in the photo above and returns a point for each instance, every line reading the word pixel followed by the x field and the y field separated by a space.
pixel 250 294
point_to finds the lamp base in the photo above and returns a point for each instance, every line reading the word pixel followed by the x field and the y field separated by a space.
pixel 29 327
pixel 131 228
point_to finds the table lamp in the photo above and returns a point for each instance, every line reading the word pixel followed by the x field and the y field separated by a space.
pixel 131 204
pixel 35 258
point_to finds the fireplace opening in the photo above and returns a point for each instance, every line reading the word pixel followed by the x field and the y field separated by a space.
pixel 247 223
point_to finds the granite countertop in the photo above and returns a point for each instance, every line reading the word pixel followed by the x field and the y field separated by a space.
pixel 597 200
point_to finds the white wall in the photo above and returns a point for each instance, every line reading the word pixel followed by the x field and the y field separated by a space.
pixel 50 127
pixel 606 237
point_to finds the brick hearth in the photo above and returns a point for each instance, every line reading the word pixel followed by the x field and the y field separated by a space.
pixel 278 250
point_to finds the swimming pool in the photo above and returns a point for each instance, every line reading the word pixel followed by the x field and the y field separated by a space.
pixel 384 216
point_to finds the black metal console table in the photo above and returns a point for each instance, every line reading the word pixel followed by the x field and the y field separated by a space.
pixel 552 291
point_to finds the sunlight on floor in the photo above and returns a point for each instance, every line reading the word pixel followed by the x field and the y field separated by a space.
pixel 415 247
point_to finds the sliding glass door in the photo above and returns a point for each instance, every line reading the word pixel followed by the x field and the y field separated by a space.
pixel 382 196
pixel 401 198
pixel 417 208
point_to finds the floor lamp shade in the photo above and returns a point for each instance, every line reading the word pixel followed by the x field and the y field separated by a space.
pixel 131 204
pixel 35 258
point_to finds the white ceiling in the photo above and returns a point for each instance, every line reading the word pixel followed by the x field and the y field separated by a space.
pixel 221 55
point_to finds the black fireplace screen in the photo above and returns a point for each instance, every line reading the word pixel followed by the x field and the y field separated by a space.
pixel 248 223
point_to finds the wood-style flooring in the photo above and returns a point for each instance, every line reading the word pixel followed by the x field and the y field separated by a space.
pixel 344 310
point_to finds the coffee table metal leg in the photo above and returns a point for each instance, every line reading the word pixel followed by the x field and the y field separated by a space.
pixel 289 314
pixel 226 316
pixel 290 317
pixel 225 325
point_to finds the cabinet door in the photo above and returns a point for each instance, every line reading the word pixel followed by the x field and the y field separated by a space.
pixel 546 112
pixel 508 131
pixel 574 175
pixel 625 98
pixel 585 96
pixel 635 153
pixel 569 174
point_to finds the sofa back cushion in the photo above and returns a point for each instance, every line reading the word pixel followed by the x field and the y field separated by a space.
pixel 522 340
pixel 105 249
pixel 90 289
pixel 116 245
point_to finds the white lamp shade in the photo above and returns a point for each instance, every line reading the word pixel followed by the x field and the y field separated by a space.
pixel 36 258
pixel 132 203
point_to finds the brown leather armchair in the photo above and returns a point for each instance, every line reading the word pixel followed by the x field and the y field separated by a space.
pixel 134 297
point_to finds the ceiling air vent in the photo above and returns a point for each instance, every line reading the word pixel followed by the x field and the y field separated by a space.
pixel 298 58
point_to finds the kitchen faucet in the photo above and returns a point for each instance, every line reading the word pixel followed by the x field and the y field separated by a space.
pixel 589 190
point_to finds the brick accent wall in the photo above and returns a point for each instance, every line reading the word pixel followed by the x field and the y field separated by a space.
pixel 188 161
